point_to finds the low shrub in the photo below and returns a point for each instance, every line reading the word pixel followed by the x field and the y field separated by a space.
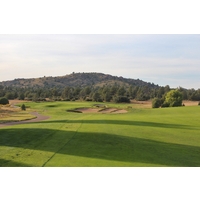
pixel 156 103
pixel 23 107
pixel 4 101
pixel 88 99
pixel 165 105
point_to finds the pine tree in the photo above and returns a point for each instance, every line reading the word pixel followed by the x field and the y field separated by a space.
pixel 23 107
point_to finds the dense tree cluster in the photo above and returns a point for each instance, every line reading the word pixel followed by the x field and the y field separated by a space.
pixel 114 92
pixel 173 98
pixel 108 92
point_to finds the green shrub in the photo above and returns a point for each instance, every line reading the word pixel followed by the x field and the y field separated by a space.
pixel 156 103
pixel 121 99
pixel 88 99
pixel 66 99
pixel 165 105
pixel 173 98
pixel 23 107
pixel 4 101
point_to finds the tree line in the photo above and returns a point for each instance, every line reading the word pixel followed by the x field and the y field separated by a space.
pixel 107 93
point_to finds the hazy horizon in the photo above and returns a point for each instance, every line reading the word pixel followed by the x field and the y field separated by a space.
pixel 163 59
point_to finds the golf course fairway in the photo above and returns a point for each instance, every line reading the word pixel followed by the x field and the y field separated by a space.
pixel 167 137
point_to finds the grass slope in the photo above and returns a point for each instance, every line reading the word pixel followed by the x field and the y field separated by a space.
pixel 141 137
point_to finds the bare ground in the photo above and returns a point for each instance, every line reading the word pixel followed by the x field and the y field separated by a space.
pixel 15 101
pixel 190 103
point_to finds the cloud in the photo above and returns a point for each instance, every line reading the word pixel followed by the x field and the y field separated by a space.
pixel 155 58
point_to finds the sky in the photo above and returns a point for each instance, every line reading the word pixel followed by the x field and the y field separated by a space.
pixel 163 59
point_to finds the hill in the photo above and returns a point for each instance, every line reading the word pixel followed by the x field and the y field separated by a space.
pixel 77 80
pixel 88 86
pixel 80 86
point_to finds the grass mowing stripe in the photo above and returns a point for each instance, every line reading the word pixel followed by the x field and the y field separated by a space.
pixel 141 137
pixel 64 144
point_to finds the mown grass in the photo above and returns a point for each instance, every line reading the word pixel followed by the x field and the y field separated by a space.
pixel 141 137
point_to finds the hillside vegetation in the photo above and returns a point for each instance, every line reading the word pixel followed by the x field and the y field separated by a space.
pixel 76 80
pixel 97 87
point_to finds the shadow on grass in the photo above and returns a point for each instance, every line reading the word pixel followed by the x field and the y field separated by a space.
pixel 10 163
pixel 101 146
pixel 124 122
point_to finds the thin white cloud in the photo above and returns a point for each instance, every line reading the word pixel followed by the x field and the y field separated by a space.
pixel 131 56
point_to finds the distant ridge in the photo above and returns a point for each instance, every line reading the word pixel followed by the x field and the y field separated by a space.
pixel 77 79
pixel 91 86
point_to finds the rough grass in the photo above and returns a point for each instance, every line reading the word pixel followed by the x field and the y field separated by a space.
pixel 13 114
pixel 141 137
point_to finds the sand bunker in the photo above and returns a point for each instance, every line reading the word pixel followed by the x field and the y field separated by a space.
pixel 108 110
pixel 98 110
pixel 87 110
pixel 120 111
pixel 113 110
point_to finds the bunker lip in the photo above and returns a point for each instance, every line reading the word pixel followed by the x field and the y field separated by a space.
pixel 37 118
pixel 98 110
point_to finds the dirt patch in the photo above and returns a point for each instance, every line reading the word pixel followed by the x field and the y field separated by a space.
pixel 142 104
pixel 190 103
pixel 16 101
